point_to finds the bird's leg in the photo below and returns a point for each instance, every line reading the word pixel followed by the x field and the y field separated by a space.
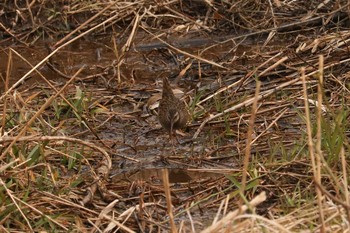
pixel 172 141
pixel 173 131
pixel 177 139
pixel 171 134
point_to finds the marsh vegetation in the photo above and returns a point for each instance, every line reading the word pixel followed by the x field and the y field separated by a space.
pixel 266 84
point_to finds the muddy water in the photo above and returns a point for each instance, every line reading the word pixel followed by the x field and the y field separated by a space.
pixel 176 175
pixel 124 121
pixel 135 131
pixel 68 60
pixel 144 61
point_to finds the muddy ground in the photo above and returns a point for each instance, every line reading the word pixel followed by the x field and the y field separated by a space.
pixel 81 145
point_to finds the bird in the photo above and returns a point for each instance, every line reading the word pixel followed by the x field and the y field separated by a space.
pixel 172 112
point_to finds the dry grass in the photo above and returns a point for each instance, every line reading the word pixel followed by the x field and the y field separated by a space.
pixel 272 158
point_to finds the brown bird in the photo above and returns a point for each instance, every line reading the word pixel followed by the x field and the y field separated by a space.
pixel 172 112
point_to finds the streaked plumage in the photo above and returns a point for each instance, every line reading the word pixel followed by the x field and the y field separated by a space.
pixel 172 112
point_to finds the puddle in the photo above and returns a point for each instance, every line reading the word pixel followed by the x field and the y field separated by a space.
pixel 144 62
pixel 124 120
pixel 176 175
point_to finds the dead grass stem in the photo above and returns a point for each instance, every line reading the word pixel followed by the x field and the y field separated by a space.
pixel 81 153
